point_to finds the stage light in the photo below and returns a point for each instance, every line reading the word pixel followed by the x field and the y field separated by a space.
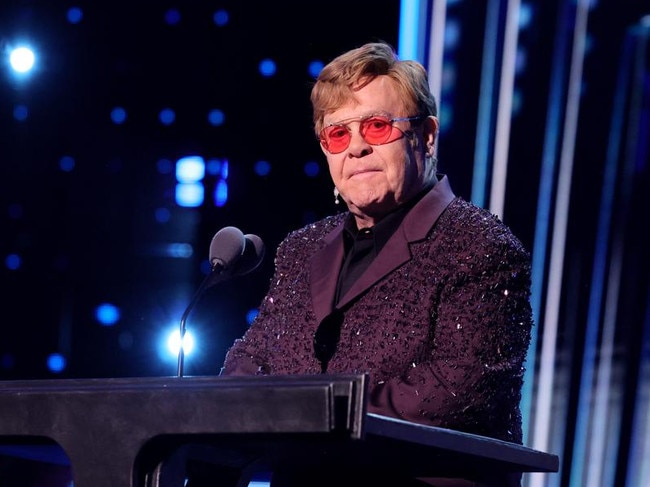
pixel 118 115
pixel 178 250
pixel 164 166
pixel 190 169
pixel 13 262
pixel 162 215
pixel 167 116
pixel 216 117
pixel 74 15
pixel 56 362
pixel 22 59
pixel 21 112
pixel 172 16
pixel 66 163
pixel 262 168
pixel 526 15
pixel 267 67
pixel 452 34
pixel 311 169
pixel 251 315
pixel 189 195
pixel 221 193
pixel 315 67
pixel 220 17
pixel 107 314
pixel 173 343
pixel 217 167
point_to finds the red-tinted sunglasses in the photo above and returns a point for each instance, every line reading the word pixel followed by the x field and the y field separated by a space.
pixel 375 129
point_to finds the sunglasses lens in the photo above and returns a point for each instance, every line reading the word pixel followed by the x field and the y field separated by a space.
pixel 376 130
pixel 335 138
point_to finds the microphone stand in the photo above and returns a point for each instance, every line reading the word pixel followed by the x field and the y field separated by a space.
pixel 197 294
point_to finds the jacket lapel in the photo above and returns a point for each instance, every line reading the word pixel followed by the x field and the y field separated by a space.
pixel 416 225
pixel 324 273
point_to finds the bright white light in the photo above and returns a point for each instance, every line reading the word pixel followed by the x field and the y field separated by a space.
pixel 174 342
pixel 189 195
pixel 190 169
pixel 22 59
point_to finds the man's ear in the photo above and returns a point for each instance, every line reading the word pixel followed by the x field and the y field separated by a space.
pixel 431 127
pixel 430 132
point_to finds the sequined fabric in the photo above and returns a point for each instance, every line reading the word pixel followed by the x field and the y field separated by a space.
pixel 443 336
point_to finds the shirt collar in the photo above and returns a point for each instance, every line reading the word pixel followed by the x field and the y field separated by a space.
pixel 383 229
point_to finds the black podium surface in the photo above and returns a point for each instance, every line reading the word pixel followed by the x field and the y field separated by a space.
pixel 132 432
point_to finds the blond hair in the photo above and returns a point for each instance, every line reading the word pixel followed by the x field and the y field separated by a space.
pixel 354 69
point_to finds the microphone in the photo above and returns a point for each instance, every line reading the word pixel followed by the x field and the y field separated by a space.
pixel 252 257
pixel 231 254
pixel 226 248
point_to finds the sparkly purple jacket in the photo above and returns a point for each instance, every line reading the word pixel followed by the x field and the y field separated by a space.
pixel 440 321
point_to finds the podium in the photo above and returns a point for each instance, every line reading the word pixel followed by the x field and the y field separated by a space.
pixel 141 432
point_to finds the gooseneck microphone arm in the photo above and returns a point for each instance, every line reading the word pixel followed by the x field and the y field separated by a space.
pixel 226 248
pixel 231 254
pixel 195 299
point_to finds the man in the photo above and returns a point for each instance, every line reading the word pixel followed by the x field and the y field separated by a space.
pixel 420 289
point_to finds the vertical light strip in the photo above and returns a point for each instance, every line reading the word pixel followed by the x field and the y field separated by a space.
pixel 412 36
pixel 485 104
pixel 436 49
pixel 560 222
pixel 542 221
pixel 600 439
pixel 605 391
pixel 638 469
pixel 563 376
pixel 638 465
pixel 504 113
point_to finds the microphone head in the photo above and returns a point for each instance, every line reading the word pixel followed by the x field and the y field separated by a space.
pixel 227 247
pixel 253 255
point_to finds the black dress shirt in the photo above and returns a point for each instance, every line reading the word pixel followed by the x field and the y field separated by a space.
pixel 362 246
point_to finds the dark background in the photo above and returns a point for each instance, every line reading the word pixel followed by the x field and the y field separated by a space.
pixel 89 236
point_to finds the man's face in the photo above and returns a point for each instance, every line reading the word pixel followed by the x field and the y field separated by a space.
pixel 374 179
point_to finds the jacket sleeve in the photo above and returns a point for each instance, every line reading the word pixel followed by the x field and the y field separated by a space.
pixel 264 347
pixel 252 353
pixel 471 376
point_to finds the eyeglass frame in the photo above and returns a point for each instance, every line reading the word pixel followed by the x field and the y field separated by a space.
pixel 361 119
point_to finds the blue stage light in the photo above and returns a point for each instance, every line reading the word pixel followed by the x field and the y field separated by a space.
pixel 173 343
pixel 66 163
pixel 21 112
pixel 190 169
pixel 118 115
pixel 267 67
pixel 221 193
pixel 315 67
pixel 13 262
pixel 189 195
pixel 262 168
pixel 107 314
pixel 172 16
pixel 311 169
pixel 221 17
pixel 74 15
pixel 167 116
pixel 22 59
pixel 216 117
pixel 56 362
